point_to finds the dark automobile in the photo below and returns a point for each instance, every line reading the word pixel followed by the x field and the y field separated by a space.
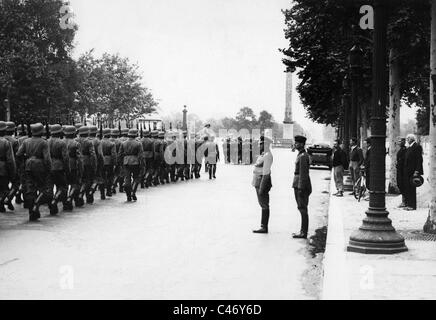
pixel 320 154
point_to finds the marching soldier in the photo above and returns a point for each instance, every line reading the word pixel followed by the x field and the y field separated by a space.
pixel 147 146
pixel 164 174
pixel 98 181
pixel 74 175
pixel 118 179
pixel 22 135
pixel 156 157
pixel 59 167
pixel 15 179
pixel 130 156
pixel 173 166
pixel 36 153
pixel 186 164
pixel 89 164
pixel 109 161
pixel 7 165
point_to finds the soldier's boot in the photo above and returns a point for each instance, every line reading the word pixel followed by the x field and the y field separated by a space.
pixel 109 190
pixel 90 194
pixel 214 171
pixel 2 204
pixel 128 194
pixel 68 204
pixel 210 173
pixel 9 198
pixel 54 204
pixel 121 189
pixel 135 188
pixel 79 200
pixel 18 198
pixel 34 212
pixel 102 192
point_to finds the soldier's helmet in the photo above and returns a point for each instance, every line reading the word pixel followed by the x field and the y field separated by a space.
pixel 155 134
pixel 133 133
pixel 147 134
pixel 37 129
pixel 115 133
pixel 84 130
pixel 10 126
pixel 93 130
pixel 125 132
pixel 55 129
pixel 3 126
pixel 107 132
pixel 161 135
pixel 69 130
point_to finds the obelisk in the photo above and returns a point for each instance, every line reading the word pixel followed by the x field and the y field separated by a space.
pixel 288 124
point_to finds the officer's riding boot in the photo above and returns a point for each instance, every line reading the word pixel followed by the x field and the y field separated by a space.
pixel 102 192
pixel 9 198
pixel 114 186
pixel 109 190
pixel 34 211
pixel 264 222
pixel 128 194
pixel 214 171
pixel 135 188
pixel 90 194
pixel 68 205
pixel 54 204
pixel 79 200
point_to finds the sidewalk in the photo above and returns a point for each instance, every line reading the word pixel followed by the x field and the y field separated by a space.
pixel 409 275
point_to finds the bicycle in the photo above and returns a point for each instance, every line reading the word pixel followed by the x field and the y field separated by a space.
pixel 360 186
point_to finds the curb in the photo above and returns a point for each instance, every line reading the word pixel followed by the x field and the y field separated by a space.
pixel 335 280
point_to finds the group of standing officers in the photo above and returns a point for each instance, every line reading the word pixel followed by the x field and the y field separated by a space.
pixel 69 164
pixel 239 151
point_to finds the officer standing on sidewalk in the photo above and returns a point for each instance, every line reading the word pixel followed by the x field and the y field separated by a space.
pixel 302 185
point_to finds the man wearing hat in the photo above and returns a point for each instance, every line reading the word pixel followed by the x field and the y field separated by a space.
pixel 60 164
pixel 401 155
pixel 15 180
pixel 22 136
pixel 147 146
pixel 130 156
pixel 98 179
pixel 157 156
pixel 118 179
pixel 89 164
pixel 412 168
pixel 35 152
pixel 302 185
pixel 172 166
pixel 109 161
pixel 7 165
pixel 124 135
pixel 199 155
pixel 187 150
pixel 212 155
pixel 74 175
pixel 164 171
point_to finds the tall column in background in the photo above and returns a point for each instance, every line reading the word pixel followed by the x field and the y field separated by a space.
pixel 288 124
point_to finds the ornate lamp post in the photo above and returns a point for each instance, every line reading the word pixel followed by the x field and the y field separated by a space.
pixel 356 55
pixel 377 235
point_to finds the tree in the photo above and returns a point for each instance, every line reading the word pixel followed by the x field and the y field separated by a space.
pixel 112 86
pixel 245 119
pixel 266 120
pixel 37 73
pixel 430 225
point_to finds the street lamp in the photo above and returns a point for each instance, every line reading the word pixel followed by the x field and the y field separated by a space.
pixel 346 104
pixel 356 55
pixel 377 235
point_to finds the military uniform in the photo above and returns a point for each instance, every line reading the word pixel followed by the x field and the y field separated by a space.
pixel 15 179
pixel 302 186
pixel 130 156
pixel 147 146
pixel 157 150
pixel 109 151
pixel 118 179
pixel 36 153
pixel 59 167
pixel 98 179
pixel 212 156
pixel 7 165
pixel 164 172
pixel 89 164
pixel 74 175
pixel 22 136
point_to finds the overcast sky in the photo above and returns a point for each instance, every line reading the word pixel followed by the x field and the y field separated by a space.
pixel 215 56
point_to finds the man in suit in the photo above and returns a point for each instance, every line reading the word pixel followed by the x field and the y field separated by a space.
pixel 340 163
pixel 356 161
pixel 412 166
pixel 302 185
pixel 401 157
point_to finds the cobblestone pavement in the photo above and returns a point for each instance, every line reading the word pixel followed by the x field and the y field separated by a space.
pixel 190 240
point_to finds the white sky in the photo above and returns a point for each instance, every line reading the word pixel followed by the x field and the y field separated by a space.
pixel 215 56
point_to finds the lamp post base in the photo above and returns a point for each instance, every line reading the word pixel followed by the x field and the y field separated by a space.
pixel 377 236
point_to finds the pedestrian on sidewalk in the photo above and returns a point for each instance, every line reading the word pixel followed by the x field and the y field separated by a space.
pixel 262 181
pixel 340 164
pixel 356 161
pixel 412 167
pixel 401 157
pixel 367 166
pixel 302 185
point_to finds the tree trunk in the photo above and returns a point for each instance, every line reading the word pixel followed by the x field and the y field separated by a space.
pixel 430 226
pixel 394 118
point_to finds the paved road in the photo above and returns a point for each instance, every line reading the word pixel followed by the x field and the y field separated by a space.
pixel 190 240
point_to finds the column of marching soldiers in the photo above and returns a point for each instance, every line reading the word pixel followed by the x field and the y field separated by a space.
pixel 69 164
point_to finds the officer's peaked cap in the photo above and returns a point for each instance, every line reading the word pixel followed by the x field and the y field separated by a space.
pixel 300 139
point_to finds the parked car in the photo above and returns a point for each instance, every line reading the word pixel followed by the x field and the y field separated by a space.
pixel 320 154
